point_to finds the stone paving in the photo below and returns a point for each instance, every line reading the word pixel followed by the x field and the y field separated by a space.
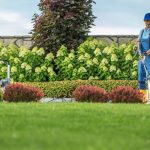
pixel 46 100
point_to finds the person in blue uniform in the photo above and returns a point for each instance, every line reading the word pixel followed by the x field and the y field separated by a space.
pixel 144 49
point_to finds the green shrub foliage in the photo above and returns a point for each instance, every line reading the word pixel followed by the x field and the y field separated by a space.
pixel 62 22
pixel 65 88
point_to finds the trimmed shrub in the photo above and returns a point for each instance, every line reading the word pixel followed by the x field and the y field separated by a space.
pixel 126 94
pixel 18 92
pixel 86 93
pixel 65 88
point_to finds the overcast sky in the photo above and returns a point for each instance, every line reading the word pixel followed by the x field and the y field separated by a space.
pixel 113 16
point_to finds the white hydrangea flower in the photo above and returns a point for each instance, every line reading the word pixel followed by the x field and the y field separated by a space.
pixel 118 71
pixel 13 69
pixel 16 60
pixel 96 77
pixel 105 68
pixel 108 50
pixel 112 68
pixel 52 73
pixel 81 58
pixel 49 56
pixel 11 58
pixel 97 52
pixel 62 51
pixel 95 61
pixel 104 61
pixel 71 56
pixel 105 50
pixel 21 76
pixel 123 46
pixel 28 68
pixel 91 78
pixel 134 73
pixel 89 62
pixel 81 50
pixel 40 52
pixel 74 72
pixel 135 63
pixel 67 60
pixel 4 69
pixel 34 49
pixel 101 65
pixel 127 50
pixel 38 70
pixel 43 68
pixel 114 57
pixel 92 45
pixel 82 70
pixel 23 65
pixel 70 66
pixel 23 53
pixel 128 57
pixel 49 69
pixel 87 56
pixel 4 52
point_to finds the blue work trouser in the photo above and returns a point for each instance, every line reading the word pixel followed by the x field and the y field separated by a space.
pixel 142 73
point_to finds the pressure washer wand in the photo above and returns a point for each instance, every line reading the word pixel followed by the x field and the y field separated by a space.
pixel 148 79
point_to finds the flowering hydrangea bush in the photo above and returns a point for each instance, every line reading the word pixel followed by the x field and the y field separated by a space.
pixel 96 60
pixel 27 65
pixel 93 59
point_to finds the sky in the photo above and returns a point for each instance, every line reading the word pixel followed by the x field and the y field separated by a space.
pixel 114 17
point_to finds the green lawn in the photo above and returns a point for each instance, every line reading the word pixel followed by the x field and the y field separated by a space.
pixel 74 126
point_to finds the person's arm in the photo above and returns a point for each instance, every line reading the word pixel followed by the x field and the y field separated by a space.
pixel 139 45
pixel 148 51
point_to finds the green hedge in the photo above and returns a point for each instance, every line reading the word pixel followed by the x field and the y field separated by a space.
pixel 65 88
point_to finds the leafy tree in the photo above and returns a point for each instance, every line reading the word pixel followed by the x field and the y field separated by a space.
pixel 62 22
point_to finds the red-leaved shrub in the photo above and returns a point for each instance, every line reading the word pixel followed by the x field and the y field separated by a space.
pixel 126 94
pixel 86 93
pixel 18 92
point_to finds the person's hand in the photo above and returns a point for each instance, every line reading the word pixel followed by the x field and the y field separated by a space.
pixel 148 52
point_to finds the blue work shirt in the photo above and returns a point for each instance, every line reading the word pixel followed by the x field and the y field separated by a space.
pixel 144 40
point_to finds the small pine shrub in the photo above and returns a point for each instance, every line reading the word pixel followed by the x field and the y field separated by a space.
pixel 86 93
pixel 126 94
pixel 18 92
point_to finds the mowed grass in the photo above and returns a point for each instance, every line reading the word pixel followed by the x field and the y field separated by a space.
pixel 74 126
